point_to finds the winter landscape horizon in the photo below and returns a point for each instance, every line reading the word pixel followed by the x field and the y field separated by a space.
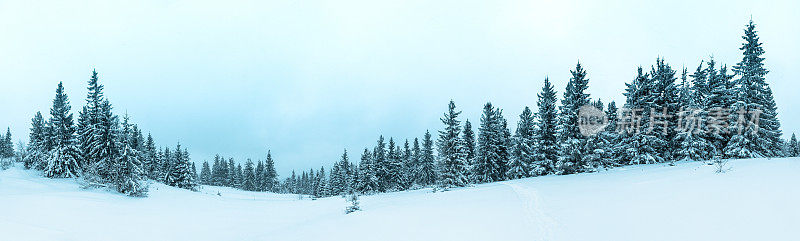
pixel 399 120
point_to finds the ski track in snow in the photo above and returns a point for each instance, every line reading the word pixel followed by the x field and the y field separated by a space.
pixel 534 214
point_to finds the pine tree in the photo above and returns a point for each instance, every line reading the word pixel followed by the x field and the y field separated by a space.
pixel 413 168
pixel 664 109
pixel 36 141
pixel 150 161
pixel 572 142
pixel 610 136
pixel 793 147
pixel 754 99
pixel 426 169
pixel 104 147
pixel 367 181
pixel 92 126
pixel 195 177
pixel 336 178
pixel 180 173
pixel 271 177
pixel 452 167
pixel 258 181
pixel 381 165
pixel 469 142
pixel 692 137
pixel 127 175
pixel 524 146
pixel 248 184
pixel 320 184
pixel 394 167
pixel 238 175
pixel 172 169
pixel 547 131
pixel 406 173
pixel 343 175
pixel 235 177
pixel 63 156
pixel 638 146
pixel 490 163
pixel 217 171
pixel 205 174
pixel 6 145
pixel 2 146
pixel 717 100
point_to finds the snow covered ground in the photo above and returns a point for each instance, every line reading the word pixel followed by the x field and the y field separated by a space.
pixel 756 200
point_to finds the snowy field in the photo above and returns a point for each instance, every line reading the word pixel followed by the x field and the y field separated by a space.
pixel 756 200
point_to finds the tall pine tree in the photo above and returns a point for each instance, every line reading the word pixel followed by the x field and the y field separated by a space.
pixel 547 132
pixel 452 157
pixel 754 123
pixel 63 155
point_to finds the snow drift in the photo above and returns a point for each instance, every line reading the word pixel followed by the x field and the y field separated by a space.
pixel 757 199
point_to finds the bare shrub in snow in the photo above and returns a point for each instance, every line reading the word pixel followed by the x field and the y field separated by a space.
pixel 721 165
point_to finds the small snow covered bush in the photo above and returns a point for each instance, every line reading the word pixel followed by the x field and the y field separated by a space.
pixel 5 163
pixel 354 205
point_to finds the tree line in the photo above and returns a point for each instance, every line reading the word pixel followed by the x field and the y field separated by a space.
pixel 667 117
pixel 260 176
pixel 101 148
pixel 657 123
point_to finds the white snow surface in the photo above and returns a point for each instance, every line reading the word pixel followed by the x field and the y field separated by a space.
pixel 758 199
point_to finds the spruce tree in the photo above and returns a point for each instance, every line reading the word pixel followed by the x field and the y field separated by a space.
pixel 406 174
pixel 127 175
pixel 381 164
pixel 6 145
pixel 547 131
pixel 452 166
pixel 367 181
pixel 248 184
pixel 760 137
pixel 692 137
pixel 92 126
pixel 151 158
pixel 713 107
pixel 258 182
pixel 793 147
pixel 664 109
pixel 469 142
pixel 320 184
pixel 182 170
pixel 393 176
pixel 426 170
pixel 238 175
pixel 571 141
pixel 235 177
pixel 638 146
pixel 413 168
pixel 164 159
pixel 336 179
pixel 63 156
pixel 609 136
pixel 104 147
pixel 217 171
pixel 271 178
pixel 36 143
pixel 489 164
pixel 205 174
pixel 524 146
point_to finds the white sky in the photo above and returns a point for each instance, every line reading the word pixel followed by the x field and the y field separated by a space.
pixel 310 78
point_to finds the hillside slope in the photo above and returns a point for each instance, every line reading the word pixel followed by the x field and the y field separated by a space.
pixel 758 199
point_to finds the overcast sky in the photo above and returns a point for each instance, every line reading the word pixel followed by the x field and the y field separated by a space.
pixel 308 79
